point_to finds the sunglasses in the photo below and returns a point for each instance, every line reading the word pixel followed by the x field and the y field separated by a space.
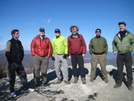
pixel 97 31
pixel 17 33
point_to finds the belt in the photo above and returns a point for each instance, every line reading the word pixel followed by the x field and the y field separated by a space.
pixel 99 53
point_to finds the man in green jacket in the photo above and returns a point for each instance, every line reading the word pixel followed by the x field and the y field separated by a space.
pixel 123 43
pixel 98 49
pixel 59 55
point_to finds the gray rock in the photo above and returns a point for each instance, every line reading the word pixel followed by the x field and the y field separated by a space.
pixel 95 91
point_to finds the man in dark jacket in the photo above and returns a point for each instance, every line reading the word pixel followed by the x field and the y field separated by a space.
pixel 77 50
pixel 41 50
pixel 98 49
pixel 123 43
pixel 14 53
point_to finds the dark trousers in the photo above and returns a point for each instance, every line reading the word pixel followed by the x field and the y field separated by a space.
pixel 127 59
pixel 78 59
pixel 19 69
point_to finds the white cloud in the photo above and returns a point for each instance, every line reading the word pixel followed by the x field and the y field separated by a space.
pixel 49 20
pixel 32 23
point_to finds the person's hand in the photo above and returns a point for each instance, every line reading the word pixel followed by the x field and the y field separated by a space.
pixel 83 55
pixel 65 56
pixel 69 57
pixel 53 58
pixel 114 52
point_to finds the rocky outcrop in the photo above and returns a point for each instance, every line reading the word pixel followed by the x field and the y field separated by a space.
pixel 95 91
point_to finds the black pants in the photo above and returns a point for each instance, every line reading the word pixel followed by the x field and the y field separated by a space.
pixel 78 59
pixel 127 59
pixel 19 69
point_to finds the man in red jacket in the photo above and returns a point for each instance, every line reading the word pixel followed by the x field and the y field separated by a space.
pixel 77 50
pixel 41 50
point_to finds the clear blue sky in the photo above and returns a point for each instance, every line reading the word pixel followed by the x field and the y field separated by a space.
pixel 29 15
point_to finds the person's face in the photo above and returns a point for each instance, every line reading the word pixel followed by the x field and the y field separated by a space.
pixel 41 33
pixel 122 27
pixel 16 35
pixel 57 34
pixel 74 30
pixel 98 32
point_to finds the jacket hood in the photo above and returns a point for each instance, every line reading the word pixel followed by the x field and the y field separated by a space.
pixel 127 32
pixel 118 34
pixel 76 34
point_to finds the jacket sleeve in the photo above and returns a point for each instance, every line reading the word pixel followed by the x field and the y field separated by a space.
pixel 83 45
pixel 66 46
pixel 91 46
pixel 32 47
pixel 8 53
pixel 106 46
pixel 22 51
pixel 69 46
pixel 49 48
pixel 53 48
pixel 132 43
pixel 114 44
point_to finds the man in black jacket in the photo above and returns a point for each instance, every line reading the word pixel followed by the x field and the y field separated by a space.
pixel 15 53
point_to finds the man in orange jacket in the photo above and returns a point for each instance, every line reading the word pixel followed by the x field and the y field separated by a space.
pixel 41 50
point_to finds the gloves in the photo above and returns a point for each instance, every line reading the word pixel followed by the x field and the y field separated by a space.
pixel 53 58
pixel 65 56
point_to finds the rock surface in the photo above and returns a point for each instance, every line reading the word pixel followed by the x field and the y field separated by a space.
pixel 91 91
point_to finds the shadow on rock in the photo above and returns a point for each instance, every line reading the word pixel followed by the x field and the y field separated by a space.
pixel 5 93
pixel 98 73
pixel 91 97
pixel 78 71
pixel 48 93
pixel 114 74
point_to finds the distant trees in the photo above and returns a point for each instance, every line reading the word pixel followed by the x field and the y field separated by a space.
pixel 3 63
pixel 28 63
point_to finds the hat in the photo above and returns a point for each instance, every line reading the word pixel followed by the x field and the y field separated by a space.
pixel 57 30
pixel 122 23
pixel 42 30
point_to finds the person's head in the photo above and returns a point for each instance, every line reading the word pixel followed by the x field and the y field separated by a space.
pixel 57 32
pixel 98 32
pixel 15 33
pixel 41 31
pixel 74 29
pixel 122 26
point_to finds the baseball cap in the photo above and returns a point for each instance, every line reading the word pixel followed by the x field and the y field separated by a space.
pixel 57 30
pixel 42 30
pixel 122 23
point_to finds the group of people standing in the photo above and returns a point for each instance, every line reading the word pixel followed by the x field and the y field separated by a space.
pixel 75 49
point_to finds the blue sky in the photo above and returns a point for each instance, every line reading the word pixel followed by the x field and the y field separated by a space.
pixel 29 15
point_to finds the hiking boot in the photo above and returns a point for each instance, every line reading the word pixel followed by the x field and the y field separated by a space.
pixel 13 94
pixel 45 84
pixel 130 88
pixel 59 81
pixel 67 82
pixel 35 85
pixel 83 80
pixel 75 79
pixel 91 80
pixel 117 86
pixel 106 80
pixel 30 90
